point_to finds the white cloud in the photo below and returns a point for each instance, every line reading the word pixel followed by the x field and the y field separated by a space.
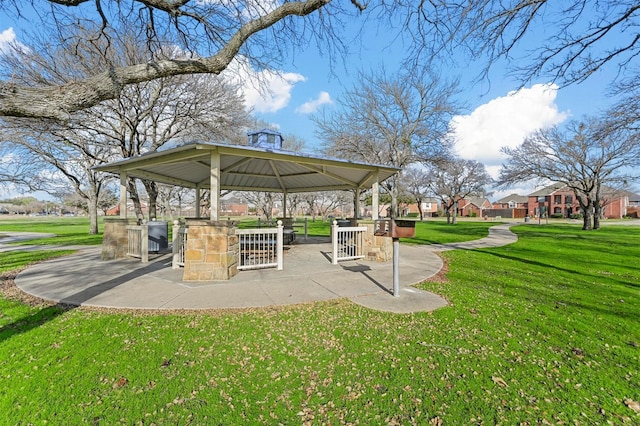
pixel 313 105
pixel 264 91
pixel 505 121
pixel 7 37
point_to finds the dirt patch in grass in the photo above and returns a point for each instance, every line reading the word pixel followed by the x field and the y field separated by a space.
pixel 441 276
pixel 10 291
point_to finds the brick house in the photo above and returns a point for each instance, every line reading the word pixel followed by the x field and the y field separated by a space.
pixel 512 201
pixel 558 199
pixel 234 208
pixel 473 206
pixel 429 207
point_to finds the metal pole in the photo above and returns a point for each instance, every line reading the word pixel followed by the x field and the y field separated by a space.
pixel 396 267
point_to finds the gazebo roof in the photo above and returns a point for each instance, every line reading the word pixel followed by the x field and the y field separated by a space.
pixel 245 168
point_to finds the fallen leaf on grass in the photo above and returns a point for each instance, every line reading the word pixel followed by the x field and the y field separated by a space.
pixel 634 405
pixel 122 381
pixel 499 381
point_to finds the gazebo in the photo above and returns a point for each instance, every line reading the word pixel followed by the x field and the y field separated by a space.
pixel 263 166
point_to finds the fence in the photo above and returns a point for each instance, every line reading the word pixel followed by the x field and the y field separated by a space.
pixel 260 248
pixel 179 244
pixel 138 242
pixel 347 242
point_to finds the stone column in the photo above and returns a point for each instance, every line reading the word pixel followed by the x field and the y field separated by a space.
pixel 212 250
pixel 114 238
pixel 379 249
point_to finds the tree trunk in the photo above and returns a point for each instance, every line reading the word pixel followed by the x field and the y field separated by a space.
pixel 394 199
pixel 92 207
pixel 597 214
pixel 419 201
pixel 455 213
pixel 135 198
pixel 587 218
pixel 152 191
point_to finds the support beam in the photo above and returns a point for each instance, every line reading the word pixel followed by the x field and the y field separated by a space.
pixel 215 184
pixel 123 194
pixel 284 204
pixel 356 203
pixel 198 201
pixel 375 206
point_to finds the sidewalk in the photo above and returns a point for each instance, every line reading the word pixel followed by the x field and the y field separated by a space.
pixel 308 276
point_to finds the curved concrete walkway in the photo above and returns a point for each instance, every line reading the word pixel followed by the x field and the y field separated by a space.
pixel 84 280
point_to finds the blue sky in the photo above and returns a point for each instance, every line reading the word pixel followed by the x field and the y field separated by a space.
pixel 494 117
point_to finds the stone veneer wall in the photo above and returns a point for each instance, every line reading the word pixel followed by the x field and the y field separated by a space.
pixel 212 250
pixel 379 249
pixel 114 237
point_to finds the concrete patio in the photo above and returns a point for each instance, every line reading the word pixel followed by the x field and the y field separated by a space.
pixel 308 276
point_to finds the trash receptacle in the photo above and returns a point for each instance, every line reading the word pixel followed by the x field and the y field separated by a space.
pixel 158 235
pixel 527 219
pixel 343 222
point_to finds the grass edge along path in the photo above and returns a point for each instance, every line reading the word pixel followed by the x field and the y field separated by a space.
pixel 541 331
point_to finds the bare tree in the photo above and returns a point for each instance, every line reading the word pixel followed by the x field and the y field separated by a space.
pixel 453 179
pixel 59 157
pixel 144 118
pixel 389 120
pixel 212 33
pixel 585 157
pixel 582 36
pixel 572 39
pixel 415 181
pixel 264 202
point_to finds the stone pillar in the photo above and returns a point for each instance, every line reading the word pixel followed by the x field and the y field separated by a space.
pixel 379 249
pixel 212 250
pixel 114 237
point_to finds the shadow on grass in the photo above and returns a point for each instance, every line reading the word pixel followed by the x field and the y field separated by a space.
pixel 34 320
pixel 49 313
pixel 582 293
pixel 558 268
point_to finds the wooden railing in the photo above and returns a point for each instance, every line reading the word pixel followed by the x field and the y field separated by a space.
pixel 138 242
pixel 347 242
pixel 260 248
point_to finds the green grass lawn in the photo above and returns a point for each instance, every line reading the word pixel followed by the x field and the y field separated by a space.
pixel 545 330
pixel 427 232
pixel 68 230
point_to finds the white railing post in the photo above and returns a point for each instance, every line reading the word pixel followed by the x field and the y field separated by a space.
pixel 144 242
pixel 279 246
pixel 177 240
pixel 334 242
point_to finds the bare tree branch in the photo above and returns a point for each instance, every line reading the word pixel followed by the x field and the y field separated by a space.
pixel 58 102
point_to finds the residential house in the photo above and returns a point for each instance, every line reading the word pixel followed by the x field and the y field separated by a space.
pixel 115 210
pixel 429 208
pixel 560 200
pixel 234 207
pixel 473 206
pixel 512 201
